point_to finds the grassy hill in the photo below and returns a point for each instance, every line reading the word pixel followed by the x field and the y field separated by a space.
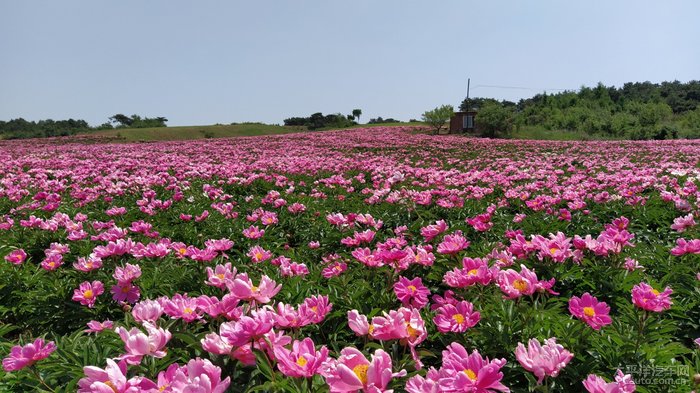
pixel 216 131
pixel 194 132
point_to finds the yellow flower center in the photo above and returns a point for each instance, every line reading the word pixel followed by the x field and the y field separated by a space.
pixel 254 288
pixel 125 289
pixel 111 385
pixel 188 310
pixel 553 250
pixel 314 309
pixel 361 371
pixel 413 333
pixel 88 294
pixel 473 272
pixel 470 374
pixel 221 276
pixel 589 311
pixel 655 292
pixel 89 265
pixel 520 285
pixel 301 361
pixel 258 255
pixel 183 251
pixel 459 318
pixel 412 288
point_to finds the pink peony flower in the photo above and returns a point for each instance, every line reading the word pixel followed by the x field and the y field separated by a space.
pixel 219 245
pixel 334 269
pixel 543 360
pixel 258 254
pixel 16 257
pixel 315 308
pixel 147 311
pixel 418 384
pixel 302 361
pixel 403 324
pixel 220 275
pixel 456 318
pixel 431 231
pixel 126 292
pixel 514 284
pixel 623 384
pixel 686 247
pixel 112 379
pixel 247 328
pixel 97 326
pixel 253 232
pixel 648 298
pixel 358 323
pixel 352 372
pixel 181 307
pixel 453 244
pixel 88 264
pixel 473 271
pixel 632 265
pixel 127 274
pixel 137 344
pixel 244 289
pixel 680 224
pixel 87 293
pixel 288 317
pixel 24 356
pixel 588 309
pixel 411 293
pixel 52 262
pixel 198 375
pixel 465 372
pixel 213 343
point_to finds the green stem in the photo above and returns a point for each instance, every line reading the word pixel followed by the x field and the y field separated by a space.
pixel 640 331
pixel 41 380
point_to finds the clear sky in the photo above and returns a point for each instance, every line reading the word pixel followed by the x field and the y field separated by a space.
pixel 206 62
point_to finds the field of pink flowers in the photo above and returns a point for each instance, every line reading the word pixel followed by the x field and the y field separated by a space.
pixel 364 260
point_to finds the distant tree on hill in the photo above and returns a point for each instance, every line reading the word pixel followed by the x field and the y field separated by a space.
pixel 437 117
pixel 319 120
pixel 136 121
pixel 356 114
pixel 380 120
pixel 123 120
pixel 495 119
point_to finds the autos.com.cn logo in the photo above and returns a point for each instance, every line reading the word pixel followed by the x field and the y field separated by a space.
pixel 671 377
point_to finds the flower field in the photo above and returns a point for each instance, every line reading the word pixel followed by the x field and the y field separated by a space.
pixel 364 260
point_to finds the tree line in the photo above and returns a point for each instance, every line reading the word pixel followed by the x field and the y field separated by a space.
pixel 20 128
pixel 645 110
pixel 319 120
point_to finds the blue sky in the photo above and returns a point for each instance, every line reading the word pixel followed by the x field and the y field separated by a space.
pixel 206 62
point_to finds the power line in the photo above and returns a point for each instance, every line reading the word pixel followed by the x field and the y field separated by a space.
pixel 518 88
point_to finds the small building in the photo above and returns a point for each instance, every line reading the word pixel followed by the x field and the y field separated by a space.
pixel 463 122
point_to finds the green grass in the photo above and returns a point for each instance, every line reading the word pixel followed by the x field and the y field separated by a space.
pixel 216 131
pixel 255 129
pixel 195 132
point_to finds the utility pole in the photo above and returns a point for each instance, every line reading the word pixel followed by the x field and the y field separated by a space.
pixel 468 81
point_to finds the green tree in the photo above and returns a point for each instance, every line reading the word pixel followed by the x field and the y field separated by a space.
pixel 494 119
pixel 437 117
pixel 356 114
pixel 123 120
